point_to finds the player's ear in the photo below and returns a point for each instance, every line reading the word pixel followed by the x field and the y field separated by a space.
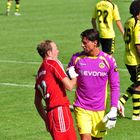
pixel 49 53
pixel 95 42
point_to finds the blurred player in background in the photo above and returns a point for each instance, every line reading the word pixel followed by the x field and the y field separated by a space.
pixel 105 12
pixel 132 60
pixel 50 86
pixel 17 6
pixel 95 69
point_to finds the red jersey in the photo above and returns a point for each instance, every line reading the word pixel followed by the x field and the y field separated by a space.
pixel 49 84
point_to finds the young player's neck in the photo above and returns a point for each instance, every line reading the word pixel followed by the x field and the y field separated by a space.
pixel 48 58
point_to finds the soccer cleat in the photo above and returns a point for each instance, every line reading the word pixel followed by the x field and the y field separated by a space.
pixel 136 118
pixel 17 14
pixel 120 109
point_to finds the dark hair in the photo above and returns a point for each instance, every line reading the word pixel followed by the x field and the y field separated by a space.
pixel 135 8
pixel 43 47
pixel 91 34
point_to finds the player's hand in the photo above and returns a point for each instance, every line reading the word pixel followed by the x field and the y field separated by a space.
pixel 46 122
pixel 110 118
pixel 71 72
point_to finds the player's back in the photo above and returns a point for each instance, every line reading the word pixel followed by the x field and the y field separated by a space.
pixel 105 13
pixel 51 74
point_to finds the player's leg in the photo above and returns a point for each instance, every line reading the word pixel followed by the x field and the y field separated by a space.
pixel 113 45
pixel 89 123
pixel 136 105
pixel 9 4
pixel 84 123
pixel 129 91
pixel 124 99
pixel 125 96
pixel 61 124
pixel 136 96
pixel 17 8
pixel 98 129
pixel 107 45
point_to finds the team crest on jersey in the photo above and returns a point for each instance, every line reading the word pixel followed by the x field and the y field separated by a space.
pixel 101 65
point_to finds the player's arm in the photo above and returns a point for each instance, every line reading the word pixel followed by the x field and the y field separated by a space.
pixel 138 49
pixel 111 117
pixel 39 106
pixel 69 84
pixel 137 37
pixel 93 21
pixel 94 17
pixel 114 81
pixel 120 27
pixel 70 81
pixel 117 18
pixel 60 74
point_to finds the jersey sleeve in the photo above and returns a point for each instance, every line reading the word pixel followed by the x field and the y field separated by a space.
pixel 72 60
pixel 59 70
pixel 137 33
pixel 114 82
pixel 116 14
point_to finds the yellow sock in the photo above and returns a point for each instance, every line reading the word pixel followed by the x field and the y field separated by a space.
pixel 17 7
pixel 136 103
pixel 125 97
pixel 9 3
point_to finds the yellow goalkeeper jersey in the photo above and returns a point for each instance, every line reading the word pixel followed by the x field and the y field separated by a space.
pixel 131 38
pixel 105 12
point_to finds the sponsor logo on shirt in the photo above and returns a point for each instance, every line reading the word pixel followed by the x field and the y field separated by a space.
pixel 93 73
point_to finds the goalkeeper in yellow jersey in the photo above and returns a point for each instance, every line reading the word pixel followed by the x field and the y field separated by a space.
pixel 105 12
pixel 132 60
pixel 17 6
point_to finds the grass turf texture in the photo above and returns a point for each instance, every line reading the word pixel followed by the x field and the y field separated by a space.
pixel 61 21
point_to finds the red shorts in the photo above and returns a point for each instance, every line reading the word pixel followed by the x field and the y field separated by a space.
pixel 60 124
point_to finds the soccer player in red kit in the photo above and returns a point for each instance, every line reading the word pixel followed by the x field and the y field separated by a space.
pixel 51 83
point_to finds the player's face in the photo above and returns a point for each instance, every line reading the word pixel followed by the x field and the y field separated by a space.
pixel 54 51
pixel 87 45
pixel 138 16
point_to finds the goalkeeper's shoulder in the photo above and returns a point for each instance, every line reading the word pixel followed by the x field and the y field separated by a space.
pixel 75 57
pixel 78 54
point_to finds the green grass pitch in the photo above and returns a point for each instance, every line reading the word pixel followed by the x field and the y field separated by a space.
pixel 61 21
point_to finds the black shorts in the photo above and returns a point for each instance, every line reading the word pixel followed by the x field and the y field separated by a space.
pixel 107 45
pixel 134 72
